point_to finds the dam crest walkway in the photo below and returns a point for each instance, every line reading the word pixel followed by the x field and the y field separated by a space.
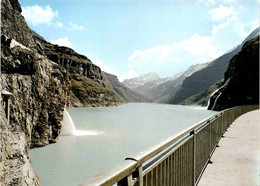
pixel 236 160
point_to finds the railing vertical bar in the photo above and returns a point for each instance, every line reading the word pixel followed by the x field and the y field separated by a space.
pixel 160 174
pixel 178 168
pixel 145 184
pixel 181 164
pixel 156 175
pixel 179 171
pixel 151 177
pixel 129 180
pixel 175 170
pixel 171 168
pixel 140 174
pixel 191 161
pixel 168 171
pixel 163 173
pixel 186 163
pixel 194 157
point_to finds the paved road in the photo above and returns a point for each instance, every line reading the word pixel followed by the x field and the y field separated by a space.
pixel 236 162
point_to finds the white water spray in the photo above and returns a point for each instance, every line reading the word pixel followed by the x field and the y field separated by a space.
pixel 222 87
pixel 69 129
pixel 211 96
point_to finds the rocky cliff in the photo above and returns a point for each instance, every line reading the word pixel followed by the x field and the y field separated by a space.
pixel 39 90
pixel 14 161
pixel 241 83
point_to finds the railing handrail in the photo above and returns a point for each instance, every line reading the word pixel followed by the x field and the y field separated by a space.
pixel 132 162
pixel 113 175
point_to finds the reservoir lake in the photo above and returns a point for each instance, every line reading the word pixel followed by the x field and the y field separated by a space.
pixel 113 133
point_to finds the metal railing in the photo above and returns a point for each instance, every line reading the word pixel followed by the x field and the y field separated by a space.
pixel 179 160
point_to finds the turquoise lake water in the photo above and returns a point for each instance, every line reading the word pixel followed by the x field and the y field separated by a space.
pixel 121 131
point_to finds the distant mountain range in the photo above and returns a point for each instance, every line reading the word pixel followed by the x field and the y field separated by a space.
pixel 136 82
pixel 159 89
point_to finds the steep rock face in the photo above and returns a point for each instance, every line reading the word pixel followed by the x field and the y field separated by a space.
pixel 203 79
pixel 40 89
pixel 14 162
pixel 87 87
pixel 124 92
pixel 241 86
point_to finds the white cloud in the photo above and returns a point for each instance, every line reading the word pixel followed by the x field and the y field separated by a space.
pixel 59 24
pixel 222 26
pixel 39 15
pixel 103 67
pixel 170 59
pixel 220 13
pixel 62 42
pixel 75 26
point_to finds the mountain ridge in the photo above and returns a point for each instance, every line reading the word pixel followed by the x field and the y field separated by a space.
pixel 159 89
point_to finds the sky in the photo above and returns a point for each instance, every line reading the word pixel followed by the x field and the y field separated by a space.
pixel 129 38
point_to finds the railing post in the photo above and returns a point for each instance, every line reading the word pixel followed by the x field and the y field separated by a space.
pixel 210 138
pixel 140 175
pixel 129 180
pixel 194 156
pixel 222 124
